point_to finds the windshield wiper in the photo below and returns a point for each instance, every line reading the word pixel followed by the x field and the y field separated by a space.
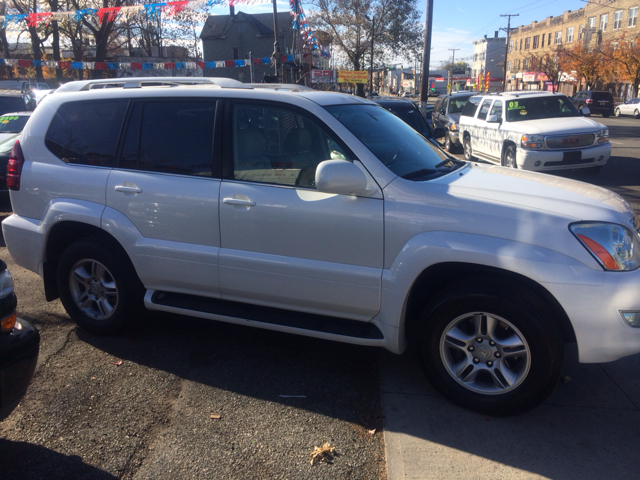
pixel 419 173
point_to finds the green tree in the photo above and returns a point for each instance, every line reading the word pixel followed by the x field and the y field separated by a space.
pixel 450 67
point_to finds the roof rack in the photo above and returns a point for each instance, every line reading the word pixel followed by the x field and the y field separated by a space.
pixel 519 93
pixel 140 82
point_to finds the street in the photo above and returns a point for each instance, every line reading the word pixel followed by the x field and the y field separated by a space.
pixel 182 397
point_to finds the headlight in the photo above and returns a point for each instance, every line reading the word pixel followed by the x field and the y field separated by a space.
pixel 532 141
pixel 453 127
pixel 614 246
pixel 603 135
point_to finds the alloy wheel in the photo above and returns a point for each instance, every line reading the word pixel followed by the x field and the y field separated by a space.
pixel 485 353
pixel 93 289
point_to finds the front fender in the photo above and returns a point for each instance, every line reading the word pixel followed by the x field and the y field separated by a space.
pixel 541 265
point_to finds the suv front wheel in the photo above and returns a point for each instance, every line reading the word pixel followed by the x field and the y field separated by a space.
pixel 99 290
pixel 490 346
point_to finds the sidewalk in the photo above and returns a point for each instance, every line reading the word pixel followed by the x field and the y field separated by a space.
pixel 588 429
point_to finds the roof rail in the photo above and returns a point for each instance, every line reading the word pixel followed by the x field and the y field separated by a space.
pixel 139 82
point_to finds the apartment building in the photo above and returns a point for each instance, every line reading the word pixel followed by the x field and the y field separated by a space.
pixel 598 20
pixel 488 56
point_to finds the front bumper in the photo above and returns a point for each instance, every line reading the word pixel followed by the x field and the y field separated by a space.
pixel 18 359
pixel 554 159
pixel 455 137
pixel 601 332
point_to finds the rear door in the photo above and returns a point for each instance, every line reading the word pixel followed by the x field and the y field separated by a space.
pixel 283 243
pixel 166 184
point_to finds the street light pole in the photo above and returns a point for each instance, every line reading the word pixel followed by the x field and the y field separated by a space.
pixel 506 50
pixel 276 46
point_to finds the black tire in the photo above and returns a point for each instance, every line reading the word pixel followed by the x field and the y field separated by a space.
pixel 106 283
pixel 617 112
pixel 509 157
pixel 468 152
pixel 606 115
pixel 535 368
pixel 448 144
pixel 636 114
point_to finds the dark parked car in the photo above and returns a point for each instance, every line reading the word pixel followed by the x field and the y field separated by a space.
pixel 11 125
pixel 19 345
pixel 446 114
pixel 601 103
pixel 16 101
pixel 408 111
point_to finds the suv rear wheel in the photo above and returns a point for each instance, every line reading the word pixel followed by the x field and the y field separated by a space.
pixel 468 152
pixel 99 290
pixel 490 346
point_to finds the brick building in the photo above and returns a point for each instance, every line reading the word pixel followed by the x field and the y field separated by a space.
pixel 598 20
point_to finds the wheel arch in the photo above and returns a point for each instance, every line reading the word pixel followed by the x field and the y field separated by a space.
pixel 437 277
pixel 506 144
pixel 63 234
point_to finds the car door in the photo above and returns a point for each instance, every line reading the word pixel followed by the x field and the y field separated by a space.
pixel 494 131
pixel 166 185
pixel 283 243
pixel 480 142
pixel 437 113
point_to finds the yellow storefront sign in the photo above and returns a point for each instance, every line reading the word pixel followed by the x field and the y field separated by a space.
pixel 349 76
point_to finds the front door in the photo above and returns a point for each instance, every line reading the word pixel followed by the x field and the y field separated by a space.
pixel 283 243
pixel 166 187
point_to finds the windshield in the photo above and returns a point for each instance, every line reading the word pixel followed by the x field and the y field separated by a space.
pixel 551 106
pixel 412 116
pixel 12 123
pixel 456 104
pixel 398 146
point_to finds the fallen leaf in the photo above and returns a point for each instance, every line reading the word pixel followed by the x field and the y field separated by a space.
pixel 216 417
pixel 322 453
pixel 372 432
pixel 118 363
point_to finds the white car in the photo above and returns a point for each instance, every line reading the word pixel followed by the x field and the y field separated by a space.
pixel 630 107
pixel 325 215
pixel 538 131
pixel 11 124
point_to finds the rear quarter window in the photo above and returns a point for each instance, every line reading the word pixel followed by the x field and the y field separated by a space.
pixel 470 108
pixel 87 132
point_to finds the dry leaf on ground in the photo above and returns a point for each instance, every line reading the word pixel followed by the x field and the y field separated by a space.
pixel 322 453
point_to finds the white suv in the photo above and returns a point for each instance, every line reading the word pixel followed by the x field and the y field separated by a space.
pixel 538 131
pixel 320 214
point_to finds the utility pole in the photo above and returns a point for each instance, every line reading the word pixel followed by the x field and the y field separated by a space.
pixel 276 46
pixel 453 63
pixel 373 32
pixel 426 57
pixel 506 49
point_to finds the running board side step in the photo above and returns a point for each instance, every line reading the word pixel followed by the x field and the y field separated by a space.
pixel 365 333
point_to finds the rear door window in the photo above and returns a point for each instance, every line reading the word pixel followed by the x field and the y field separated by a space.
pixel 173 137
pixel 87 132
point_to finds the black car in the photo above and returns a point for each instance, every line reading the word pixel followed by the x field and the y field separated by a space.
pixel 601 103
pixel 408 111
pixel 19 345
pixel 446 114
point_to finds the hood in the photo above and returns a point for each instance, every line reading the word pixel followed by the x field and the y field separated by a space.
pixel 556 126
pixel 578 201
pixel 454 117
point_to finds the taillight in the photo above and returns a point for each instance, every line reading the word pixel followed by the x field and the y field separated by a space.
pixel 589 100
pixel 14 167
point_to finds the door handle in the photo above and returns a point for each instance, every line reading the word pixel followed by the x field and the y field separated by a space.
pixel 238 201
pixel 125 189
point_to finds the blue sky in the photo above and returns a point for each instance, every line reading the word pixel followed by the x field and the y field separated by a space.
pixel 457 23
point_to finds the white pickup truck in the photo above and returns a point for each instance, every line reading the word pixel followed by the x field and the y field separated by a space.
pixel 533 131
